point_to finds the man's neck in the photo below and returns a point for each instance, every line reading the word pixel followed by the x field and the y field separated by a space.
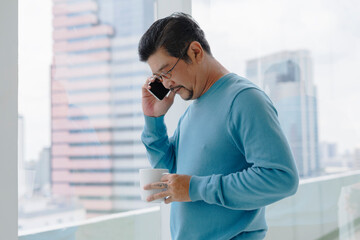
pixel 214 71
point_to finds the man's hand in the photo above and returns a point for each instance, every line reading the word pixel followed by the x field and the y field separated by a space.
pixel 177 188
pixel 153 107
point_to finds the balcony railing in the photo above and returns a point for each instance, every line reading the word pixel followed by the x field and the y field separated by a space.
pixel 139 224
pixel 326 207
pixel 323 208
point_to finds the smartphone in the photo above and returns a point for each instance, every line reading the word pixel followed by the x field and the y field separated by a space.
pixel 158 90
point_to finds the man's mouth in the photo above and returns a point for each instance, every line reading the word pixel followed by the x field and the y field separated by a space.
pixel 175 89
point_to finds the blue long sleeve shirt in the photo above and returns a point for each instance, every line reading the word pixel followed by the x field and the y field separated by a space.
pixel 231 143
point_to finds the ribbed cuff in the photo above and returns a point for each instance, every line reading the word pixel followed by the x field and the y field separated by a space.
pixel 197 189
pixel 155 125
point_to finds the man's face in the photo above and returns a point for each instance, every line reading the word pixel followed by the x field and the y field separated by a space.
pixel 181 81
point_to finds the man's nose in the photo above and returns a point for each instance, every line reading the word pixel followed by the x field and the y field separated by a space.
pixel 168 83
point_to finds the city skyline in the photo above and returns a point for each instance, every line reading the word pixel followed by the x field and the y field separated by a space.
pixel 96 116
pixel 34 104
pixel 238 33
pixel 251 29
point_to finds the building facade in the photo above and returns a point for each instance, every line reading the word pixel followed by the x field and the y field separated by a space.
pixel 356 158
pixel 96 116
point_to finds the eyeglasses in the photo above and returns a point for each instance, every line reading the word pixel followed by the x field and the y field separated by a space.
pixel 168 75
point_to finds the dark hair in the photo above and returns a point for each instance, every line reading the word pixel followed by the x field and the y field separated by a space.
pixel 174 33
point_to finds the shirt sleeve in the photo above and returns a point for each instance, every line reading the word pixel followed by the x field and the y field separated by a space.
pixel 161 150
pixel 255 129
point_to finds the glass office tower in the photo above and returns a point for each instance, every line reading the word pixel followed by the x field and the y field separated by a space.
pixel 96 116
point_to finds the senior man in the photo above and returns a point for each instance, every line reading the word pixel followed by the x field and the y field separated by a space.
pixel 228 157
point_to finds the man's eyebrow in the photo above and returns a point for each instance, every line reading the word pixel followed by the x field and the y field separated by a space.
pixel 161 68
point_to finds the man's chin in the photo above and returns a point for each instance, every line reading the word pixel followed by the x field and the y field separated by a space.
pixel 186 95
pixel 185 99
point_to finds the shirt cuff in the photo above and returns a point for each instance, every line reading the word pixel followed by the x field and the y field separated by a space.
pixel 197 188
pixel 155 125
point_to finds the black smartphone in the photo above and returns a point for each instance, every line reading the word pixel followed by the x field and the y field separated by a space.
pixel 158 90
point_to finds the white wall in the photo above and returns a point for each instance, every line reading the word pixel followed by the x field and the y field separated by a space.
pixel 8 118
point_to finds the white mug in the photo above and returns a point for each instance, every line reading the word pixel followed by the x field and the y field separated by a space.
pixel 148 176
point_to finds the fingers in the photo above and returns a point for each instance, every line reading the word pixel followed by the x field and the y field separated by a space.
pixel 157 185
pixel 176 188
pixel 148 81
pixel 157 196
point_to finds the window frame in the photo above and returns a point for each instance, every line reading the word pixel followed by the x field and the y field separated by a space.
pixel 9 118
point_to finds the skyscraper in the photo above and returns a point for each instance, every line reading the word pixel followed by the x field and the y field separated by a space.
pixel 356 163
pixel 97 120
pixel 287 78
pixel 42 172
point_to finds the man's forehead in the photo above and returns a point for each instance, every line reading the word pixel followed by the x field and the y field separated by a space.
pixel 159 60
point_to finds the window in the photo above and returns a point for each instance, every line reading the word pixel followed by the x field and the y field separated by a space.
pixel 304 55
pixel 80 116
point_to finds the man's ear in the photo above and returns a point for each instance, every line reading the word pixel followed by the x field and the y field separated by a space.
pixel 196 52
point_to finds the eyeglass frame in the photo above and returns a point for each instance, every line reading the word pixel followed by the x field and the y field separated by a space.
pixel 163 75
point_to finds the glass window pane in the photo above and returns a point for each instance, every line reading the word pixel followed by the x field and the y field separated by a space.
pixel 304 55
pixel 80 116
